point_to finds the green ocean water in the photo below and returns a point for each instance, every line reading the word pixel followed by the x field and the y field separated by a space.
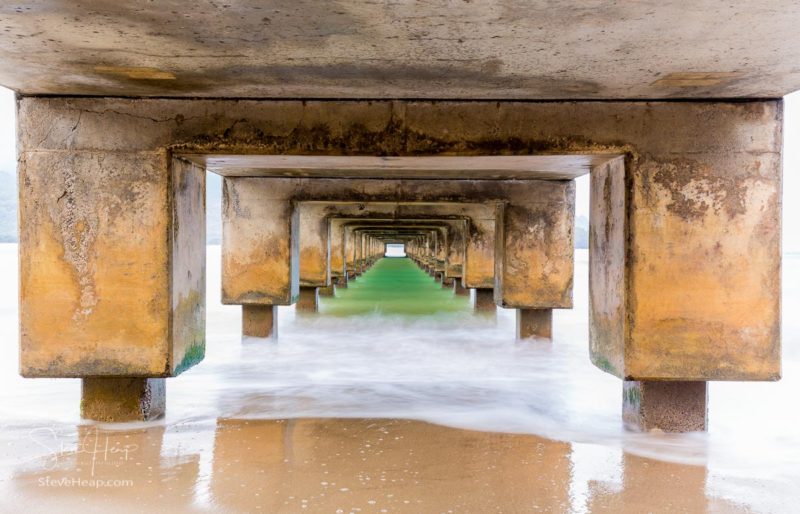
pixel 394 286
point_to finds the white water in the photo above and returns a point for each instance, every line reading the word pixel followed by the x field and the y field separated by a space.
pixel 463 371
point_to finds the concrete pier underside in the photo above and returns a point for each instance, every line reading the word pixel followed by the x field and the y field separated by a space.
pixel 684 243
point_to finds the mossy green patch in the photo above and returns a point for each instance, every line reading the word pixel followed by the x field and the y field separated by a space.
pixel 193 355
pixel 394 286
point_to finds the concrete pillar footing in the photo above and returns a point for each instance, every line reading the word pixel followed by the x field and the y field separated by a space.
pixel 484 300
pixel 119 399
pixel 459 289
pixel 260 320
pixel 673 406
pixel 326 291
pixel 536 323
pixel 308 300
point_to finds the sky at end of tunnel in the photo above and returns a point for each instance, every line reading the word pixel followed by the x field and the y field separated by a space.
pixel 791 170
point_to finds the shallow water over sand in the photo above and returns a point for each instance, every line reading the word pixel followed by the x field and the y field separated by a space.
pixel 383 410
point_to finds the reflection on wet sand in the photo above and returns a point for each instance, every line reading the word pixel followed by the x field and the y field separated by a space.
pixel 353 465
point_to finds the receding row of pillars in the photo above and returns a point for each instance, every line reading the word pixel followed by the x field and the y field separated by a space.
pixel 262 320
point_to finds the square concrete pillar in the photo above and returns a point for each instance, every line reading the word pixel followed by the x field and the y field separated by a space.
pixel 536 323
pixel 667 406
pixel 112 261
pixel 479 254
pixel 684 278
pixel 114 399
pixel 260 320
pixel 484 300
pixel 326 291
pixel 308 300
pixel 260 242
pixel 534 249
pixel 459 289
pixel 314 244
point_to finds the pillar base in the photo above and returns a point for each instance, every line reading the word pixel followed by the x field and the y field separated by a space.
pixel 447 282
pixel 666 406
pixel 326 291
pixel 459 289
pixel 115 399
pixel 308 300
pixel 484 300
pixel 260 320
pixel 536 323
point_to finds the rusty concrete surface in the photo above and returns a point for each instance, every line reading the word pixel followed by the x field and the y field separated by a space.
pixel 534 246
pixel 536 323
pixel 701 220
pixel 260 320
pixel 498 49
pixel 665 406
pixel 115 400
pixel 260 242
pixel 188 266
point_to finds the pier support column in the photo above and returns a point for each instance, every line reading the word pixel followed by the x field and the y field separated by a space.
pixel 260 320
pixel 459 289
pixel 309 300
pixel 535 323
pixel 112 399
pixel 668 406
pixel 326 291
pixel 484 300
pixel 447 282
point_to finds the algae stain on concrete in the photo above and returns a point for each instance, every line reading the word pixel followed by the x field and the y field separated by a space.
pixel 394 286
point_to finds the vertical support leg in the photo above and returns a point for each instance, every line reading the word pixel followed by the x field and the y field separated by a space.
pixel 459 289
pixel 447 282
pixel 667 406
pixel 484 300
pixel 309 300
pixel 339 282
pixel 121 399
pixel 260 320
pixel 326 291
pixel 535 323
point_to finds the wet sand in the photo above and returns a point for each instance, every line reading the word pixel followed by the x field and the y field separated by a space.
pixel 447 416
pixel 334 465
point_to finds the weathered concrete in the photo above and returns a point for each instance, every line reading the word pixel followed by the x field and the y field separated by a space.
pixel 536 323
pixel 665 406
pixel 685 238
pixel 534 248
pixel 484 300
pixel 308 300
pixel 97 299
pixel 460 290
pixel 481 50
pixel 112 399
pixel 260 242
pixel 327 290
pixel 260 320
